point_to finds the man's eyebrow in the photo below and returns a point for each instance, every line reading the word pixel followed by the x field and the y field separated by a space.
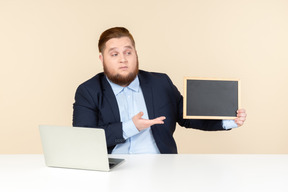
pixel 129 47
pixel 114 48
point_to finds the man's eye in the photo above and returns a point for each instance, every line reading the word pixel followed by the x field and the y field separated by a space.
pixel 128 53
pixel 114 54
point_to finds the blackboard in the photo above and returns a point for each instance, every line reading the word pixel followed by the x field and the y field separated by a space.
pixel 210 98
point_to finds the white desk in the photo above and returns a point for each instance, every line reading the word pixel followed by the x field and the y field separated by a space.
pixel 223 173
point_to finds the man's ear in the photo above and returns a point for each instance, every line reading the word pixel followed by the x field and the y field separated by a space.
pixel 101 57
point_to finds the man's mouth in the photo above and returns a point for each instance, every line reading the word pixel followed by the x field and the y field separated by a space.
pixel 123 68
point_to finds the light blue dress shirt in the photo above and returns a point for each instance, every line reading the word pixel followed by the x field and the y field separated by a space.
pixel 130 102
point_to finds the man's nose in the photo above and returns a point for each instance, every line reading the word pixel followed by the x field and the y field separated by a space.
pixel 123 58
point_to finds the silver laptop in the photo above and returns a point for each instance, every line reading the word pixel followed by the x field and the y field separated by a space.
pixel 76 147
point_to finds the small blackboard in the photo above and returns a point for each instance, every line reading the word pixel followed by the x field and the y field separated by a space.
pixel 210 98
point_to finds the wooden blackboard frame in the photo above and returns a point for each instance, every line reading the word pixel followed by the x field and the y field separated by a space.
pixel 198 116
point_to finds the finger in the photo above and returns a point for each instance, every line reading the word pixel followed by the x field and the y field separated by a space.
pixel 241 111
pixel 242 118
pixel 239 123
pixel 139 115
pixel 160 118
pixel 148 123
pixel 156 122
pixel 241 115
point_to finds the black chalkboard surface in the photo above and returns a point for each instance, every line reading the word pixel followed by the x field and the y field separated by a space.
pixel 206 98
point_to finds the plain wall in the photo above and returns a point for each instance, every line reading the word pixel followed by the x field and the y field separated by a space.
pixel 49 47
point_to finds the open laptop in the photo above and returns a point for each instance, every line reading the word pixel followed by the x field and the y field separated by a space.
pixel 76 147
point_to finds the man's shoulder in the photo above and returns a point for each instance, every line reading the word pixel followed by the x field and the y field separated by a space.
pixel 149 75
pixel 94 82
pixel 155 79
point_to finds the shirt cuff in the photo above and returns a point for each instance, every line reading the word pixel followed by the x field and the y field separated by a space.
pixel 129 129
pixel 229 124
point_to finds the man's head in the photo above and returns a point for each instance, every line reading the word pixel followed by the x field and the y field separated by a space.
pixel 118 55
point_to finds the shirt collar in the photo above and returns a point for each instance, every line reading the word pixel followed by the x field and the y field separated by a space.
pixel 134 86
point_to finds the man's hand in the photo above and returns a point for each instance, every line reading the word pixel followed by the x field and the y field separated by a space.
pixel 141 123
pixel 241 117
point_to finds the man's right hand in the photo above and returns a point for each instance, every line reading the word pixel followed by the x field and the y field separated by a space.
pixel 141 123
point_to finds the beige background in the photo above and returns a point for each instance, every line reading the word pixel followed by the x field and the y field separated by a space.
pixel 49 47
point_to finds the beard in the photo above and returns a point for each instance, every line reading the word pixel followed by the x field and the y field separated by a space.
pixel 121 79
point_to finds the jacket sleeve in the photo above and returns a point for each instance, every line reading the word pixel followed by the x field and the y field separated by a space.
pixel 86 114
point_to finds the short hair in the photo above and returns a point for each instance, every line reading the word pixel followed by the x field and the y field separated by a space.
pixel 115 32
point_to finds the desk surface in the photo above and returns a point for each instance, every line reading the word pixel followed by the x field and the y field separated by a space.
pixel 243 173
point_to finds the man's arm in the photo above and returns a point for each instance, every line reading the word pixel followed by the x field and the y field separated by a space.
pixel 205 125
pixel 86 114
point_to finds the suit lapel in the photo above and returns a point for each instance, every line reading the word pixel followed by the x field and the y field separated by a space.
pixel 148 94
pixel 110 98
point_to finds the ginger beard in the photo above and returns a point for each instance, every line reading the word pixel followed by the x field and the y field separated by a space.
pixel 120 79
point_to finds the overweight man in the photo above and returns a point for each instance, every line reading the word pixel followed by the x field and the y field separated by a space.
pixel 137 109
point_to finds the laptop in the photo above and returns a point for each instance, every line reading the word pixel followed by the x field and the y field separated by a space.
pixel 76 148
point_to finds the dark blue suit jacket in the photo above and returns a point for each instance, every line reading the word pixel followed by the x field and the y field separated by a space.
pixel 96 107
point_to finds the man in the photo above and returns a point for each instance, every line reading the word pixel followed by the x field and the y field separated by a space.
pixel 137 109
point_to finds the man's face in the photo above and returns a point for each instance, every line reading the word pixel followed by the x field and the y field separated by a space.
pixel 120 61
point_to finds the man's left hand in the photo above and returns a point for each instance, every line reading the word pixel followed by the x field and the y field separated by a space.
pixel 241 117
